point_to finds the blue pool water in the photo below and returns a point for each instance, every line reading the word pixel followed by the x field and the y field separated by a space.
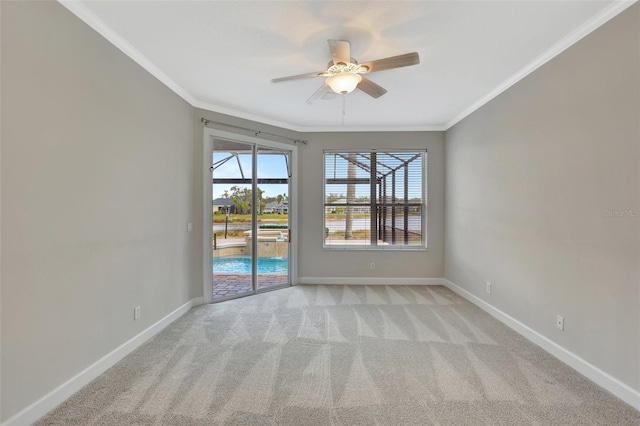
pixel 240 264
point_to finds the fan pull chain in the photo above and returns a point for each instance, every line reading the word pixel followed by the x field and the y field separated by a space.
pixel 344 109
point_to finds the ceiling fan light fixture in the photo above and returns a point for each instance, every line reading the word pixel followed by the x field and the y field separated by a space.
pixel 342 75
pixel 344 83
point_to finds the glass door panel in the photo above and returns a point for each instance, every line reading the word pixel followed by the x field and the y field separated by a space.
pixel 273 173
pixel 232 219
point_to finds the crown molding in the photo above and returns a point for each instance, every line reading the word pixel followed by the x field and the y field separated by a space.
pixel 615 8
pixel 89 18
pixel 245 116
pixel 411 128
pixel 82 12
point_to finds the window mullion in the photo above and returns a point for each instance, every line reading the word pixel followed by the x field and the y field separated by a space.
pixel 393 207
pixel 374 204
pixel 406 204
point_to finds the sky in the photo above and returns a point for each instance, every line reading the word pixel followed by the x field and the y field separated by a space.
pixel 269 166
pixel 275 166
pixel 336 166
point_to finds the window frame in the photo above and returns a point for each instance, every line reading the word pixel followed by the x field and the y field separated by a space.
pixel 424 205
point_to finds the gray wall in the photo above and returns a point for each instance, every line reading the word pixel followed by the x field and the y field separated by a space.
pixel 530 177
pixel 97 189
pixel 314 261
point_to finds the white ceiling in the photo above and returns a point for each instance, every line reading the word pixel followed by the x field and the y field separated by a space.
pixel 221 55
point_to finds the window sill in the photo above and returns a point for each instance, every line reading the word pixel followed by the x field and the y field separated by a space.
pixel 356 247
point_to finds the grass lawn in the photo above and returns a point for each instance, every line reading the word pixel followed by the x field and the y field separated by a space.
pixel 243 218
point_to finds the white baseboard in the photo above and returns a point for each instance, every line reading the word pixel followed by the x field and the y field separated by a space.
pixel 370 281
pixel 624 392
pixel 48 402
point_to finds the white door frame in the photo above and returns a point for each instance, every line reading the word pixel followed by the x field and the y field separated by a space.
pixel 207 196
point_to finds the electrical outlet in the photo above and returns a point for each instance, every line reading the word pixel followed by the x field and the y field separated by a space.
pixel 373 265
pixel 189 227
pixel 488 289
pixel 560 323
pixel 136 313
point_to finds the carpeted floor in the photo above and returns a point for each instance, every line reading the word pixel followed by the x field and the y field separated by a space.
pixel 343 355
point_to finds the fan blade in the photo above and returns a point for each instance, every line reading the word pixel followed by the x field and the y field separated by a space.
pixel 371 88
pixel 295 77
pixel 340 51
pixel 319 93
pixel 389 63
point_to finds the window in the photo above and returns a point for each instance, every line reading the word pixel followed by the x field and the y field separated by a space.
pixel 375 199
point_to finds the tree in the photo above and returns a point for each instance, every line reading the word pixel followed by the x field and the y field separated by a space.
pixel 331 198
pixel 242 198
pixel 261 204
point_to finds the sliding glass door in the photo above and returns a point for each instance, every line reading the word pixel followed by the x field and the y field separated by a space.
pixel 273 226
pixel 250 219
pixel 232 216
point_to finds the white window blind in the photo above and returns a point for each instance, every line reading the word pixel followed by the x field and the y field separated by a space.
pixel 375 199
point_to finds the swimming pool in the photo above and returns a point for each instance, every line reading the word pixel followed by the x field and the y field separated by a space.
pixel 241 264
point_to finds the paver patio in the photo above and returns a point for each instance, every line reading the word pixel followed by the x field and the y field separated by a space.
pixel 225 285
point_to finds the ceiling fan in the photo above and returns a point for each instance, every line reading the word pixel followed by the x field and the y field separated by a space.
pixel 344 74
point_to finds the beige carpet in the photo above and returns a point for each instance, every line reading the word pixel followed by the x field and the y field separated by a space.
pixel 347 355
